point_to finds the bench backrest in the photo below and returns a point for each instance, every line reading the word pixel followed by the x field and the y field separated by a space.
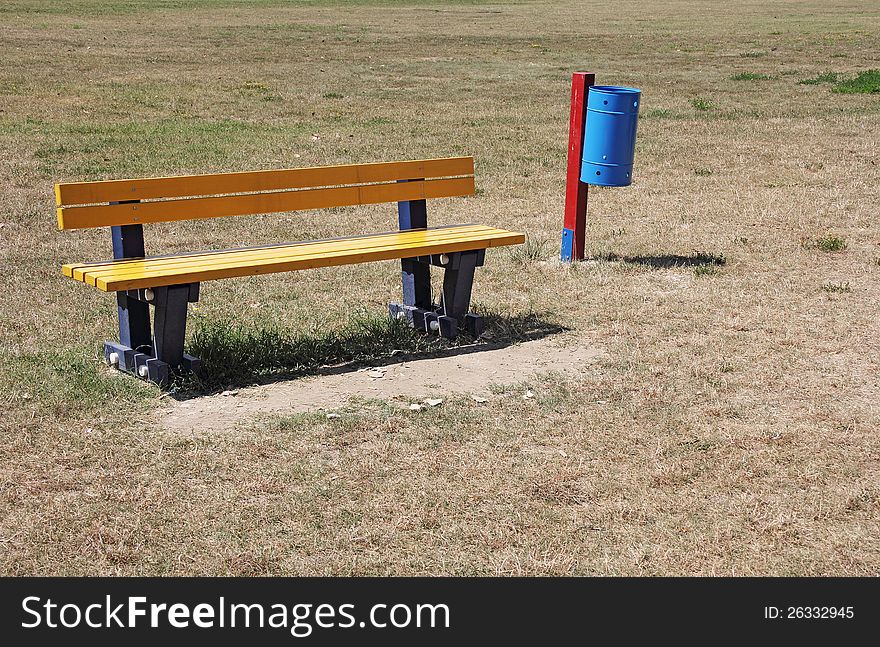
pixel 164 199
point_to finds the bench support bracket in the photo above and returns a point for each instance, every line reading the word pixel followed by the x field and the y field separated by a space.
pixel 418 306
pixel 134 317
pixel 416 277
pixel 156 359
pixel 152 357
pixel 451 314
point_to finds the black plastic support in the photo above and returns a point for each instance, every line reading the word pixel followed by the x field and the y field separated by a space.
pixel 134 316
pixel 447 260
pixel 458 282
pixel 158 357
pixel 141 364
pixel 452 313
pixel 170 323
pixel 137 351
pixel 147 295
pixel 416 276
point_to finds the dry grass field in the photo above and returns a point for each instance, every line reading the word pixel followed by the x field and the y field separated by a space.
pixel 731 425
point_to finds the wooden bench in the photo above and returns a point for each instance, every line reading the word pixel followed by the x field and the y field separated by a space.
pixel 170 282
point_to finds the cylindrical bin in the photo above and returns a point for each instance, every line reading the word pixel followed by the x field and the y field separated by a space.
pixel 610 135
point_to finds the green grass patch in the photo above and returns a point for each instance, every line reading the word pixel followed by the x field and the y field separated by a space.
pixel 702 104
pixel 705 270
pixel 122 7
pixel 259 91
pixel 656 113
pixel 233 354
pixel 865 83
pixel 827 243
pixel 532 251
pixel 63 383
pixel 827 77
pixel 10 86
pixel 91 151
pixel 750 76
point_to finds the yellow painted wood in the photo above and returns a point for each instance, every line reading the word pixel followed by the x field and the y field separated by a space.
pixel 172 270
pixel 281 265
pixel 207 258
pixel 153 266
pixel 79 193
pixel 210 260
pixel 258 203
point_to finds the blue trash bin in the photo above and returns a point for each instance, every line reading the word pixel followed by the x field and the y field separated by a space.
pixel 610 135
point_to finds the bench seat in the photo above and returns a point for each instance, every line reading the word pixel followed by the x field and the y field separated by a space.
pixel 197 267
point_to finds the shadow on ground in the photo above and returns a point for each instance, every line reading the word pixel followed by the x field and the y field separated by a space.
pixel 235 356
pixel 663 261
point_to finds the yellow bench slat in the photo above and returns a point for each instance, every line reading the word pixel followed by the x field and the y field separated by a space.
pixel 280 264
pixel 214 257
pixel 259 203
pixel 171 266
pixel 170 270
pixel 78 193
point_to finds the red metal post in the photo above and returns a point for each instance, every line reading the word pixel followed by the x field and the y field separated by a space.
pixel 575 222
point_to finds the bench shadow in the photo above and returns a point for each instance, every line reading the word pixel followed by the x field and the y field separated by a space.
pixel 664 261
pixel 234 356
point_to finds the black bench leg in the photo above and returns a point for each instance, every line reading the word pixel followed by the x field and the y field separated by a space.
pixel 170 323
pixel 134 315
pixel 416 276
pixel 452 313
pixel 458 282
pixel 457 285
pixel 418 307
pixel 158 357
pixel 416 283
pixel 414 273
pixel 134 321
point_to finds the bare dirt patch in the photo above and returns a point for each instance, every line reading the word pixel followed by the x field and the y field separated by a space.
pixel 470 370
